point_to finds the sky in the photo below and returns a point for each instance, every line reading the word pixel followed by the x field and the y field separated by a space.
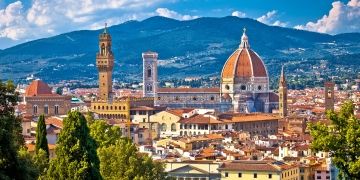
pixel 26 20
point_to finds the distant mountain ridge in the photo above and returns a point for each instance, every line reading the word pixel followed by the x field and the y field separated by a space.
pixel 186 48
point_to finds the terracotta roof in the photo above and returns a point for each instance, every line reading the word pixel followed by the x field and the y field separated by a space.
pixel 179 112
pixel 275 166
pixel 244 63
pixel 189 90
pixel 54 121
pixel 200 119
pixel 250 117
pixel 248 166
pixel 142 108
pixel 38 87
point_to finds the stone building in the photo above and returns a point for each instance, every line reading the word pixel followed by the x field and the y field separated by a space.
pixel 106 106
pixel 244 86
pixel 39 99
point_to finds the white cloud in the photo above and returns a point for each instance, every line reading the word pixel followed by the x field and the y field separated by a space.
pixel 11 19
pixel 266 18
pixel 269 19
pixel 238 14
pixel 44 18
pixel 173 14
pixel 341 18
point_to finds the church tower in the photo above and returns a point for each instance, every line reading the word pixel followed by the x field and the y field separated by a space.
pixel 282 95
pixel 150 74
pixel 329 96
pixel 105 64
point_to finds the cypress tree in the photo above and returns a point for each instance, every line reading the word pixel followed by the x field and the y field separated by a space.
pixel 41 141
pixel 76 156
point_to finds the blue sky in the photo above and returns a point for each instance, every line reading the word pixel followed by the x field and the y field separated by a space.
pixel 25 20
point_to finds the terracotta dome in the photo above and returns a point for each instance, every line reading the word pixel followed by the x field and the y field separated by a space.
pixel 37 87
pixel 244 62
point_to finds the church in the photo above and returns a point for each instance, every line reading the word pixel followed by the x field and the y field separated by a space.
pixel 244 86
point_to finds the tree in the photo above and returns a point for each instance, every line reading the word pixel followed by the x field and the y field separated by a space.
pixel 122 161
pixel 10 134
pixel 104 134
pixel 76 156
pixel 41 162
pixel 341 139
pixel 89 118
pixel 41 141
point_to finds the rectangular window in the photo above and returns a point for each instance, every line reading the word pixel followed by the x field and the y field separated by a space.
pixel 226 174
pixel 56 110
pixel 270 176
pixel 239 175
pixel 46 110
pixel 255 175
pixel 318 177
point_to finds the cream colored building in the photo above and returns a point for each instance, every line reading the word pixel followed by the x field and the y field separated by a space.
pixel 259 170
pixel 168 122
pixel 193 170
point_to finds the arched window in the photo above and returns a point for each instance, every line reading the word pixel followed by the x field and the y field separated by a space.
pixel 46 109
pixel 102 49
pixel 173 127
pixel 163 127
pixel 212 98
pixel 35 108
pixel 227 87
pixel 149 72
pixel 56 109
pixel 124 108
pixel 243 87
pixel 94 107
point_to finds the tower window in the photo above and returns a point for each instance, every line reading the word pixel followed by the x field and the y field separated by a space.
pixel 149 72
pixel 259 87
pixel 227 87
pixel 102 49
pixel 243 87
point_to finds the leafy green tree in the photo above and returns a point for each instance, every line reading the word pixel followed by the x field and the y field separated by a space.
pixel 28 169
pixel 76 156
pixel 341 138
pixel 10 134
pixel 104 134
pixel 41 162
pixel 122 161
pixel 41 141
pixel 89 118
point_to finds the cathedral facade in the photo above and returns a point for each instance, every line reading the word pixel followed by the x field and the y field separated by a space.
pixel 244 86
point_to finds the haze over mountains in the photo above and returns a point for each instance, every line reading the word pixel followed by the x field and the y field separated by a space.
pixel 197 47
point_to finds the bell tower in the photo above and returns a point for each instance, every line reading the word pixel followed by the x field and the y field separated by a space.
pixel 150 74
pixel 105 64
pixel 329 96
pixel 282 95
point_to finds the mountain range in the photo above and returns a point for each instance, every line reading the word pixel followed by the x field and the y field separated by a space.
pixel 196 47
